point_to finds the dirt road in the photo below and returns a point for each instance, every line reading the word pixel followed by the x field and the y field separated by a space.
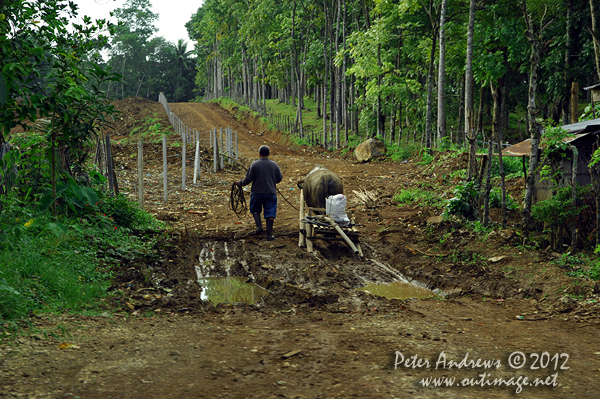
pixel 314 335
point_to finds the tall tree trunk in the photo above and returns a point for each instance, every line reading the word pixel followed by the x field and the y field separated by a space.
pixel 429 110
pixel 595 38
pixel 392 123
pixel 294 56
pixel 325 75
pixel 123 80
pixel 469 81
pixel 338 84
pixel 332 87
pixel 344 80
pixel 497 130
pixel 461 112
pixel 535 128
pixel 379 127
pixel 488 182
pixel 244 77
pixel 480 111
pixel 318 96
pixel 441 114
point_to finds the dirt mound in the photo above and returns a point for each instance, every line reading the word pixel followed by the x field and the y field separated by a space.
pixel 134 112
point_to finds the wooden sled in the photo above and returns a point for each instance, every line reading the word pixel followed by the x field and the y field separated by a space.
pixel 323 227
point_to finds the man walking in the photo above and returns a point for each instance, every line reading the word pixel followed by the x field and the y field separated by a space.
pixel 264 174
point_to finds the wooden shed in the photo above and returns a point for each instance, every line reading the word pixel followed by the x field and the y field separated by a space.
pixel 585 139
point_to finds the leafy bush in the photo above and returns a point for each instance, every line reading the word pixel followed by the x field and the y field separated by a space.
pixel 463 203
pixel 568 260
pixel 588 113
pixel 496 200
pixel 426 158
pixel 399 153
pixel 559 208
pixel 126 213
pixel 460 174
pixel 513 166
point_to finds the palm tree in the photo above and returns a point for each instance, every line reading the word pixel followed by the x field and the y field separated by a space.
pixel 183 62
pixel 183 67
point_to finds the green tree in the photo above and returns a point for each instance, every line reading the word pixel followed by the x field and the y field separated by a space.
pixel 132 46
pixel 54 72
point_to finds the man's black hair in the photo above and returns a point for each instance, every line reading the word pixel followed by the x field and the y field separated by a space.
pixel 264 151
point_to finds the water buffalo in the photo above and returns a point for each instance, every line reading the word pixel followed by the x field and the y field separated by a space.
pixel 319 184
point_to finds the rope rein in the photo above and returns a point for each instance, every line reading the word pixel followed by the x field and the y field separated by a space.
pixel 237 201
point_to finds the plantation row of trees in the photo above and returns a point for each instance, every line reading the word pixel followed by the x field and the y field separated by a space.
pixel 389 65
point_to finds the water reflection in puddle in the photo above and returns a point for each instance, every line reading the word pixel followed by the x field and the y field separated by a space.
pixel 230 290
pixel 397 290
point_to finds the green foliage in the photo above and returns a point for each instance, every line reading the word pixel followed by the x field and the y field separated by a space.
pixel 589 114
pixel 3 89
pixel 426 158
pixel 52 72
pixel 63 264
pixel 569 260
pixel 399 153
pixel 152 129
pixel 496 200
pixel 580 266
pixel 554 149
pixel 126 213
pixel 513 167
pixel 480 229
pixel 463 203
pixel 559 208
pixel 419 197
pixel 71 197
pixel 460 174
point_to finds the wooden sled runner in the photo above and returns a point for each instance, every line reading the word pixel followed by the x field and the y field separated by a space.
pixel 323 227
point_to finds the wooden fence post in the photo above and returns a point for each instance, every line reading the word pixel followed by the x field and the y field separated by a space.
pixel 183 161
pixel 215 152
pixel 221 165
pixel 197 160
pixel 165 182
pixel 109 166
pixel 141 171
pixel 229 145
pixel 236 146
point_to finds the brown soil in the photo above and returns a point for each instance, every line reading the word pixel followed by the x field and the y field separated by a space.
pixel 158 339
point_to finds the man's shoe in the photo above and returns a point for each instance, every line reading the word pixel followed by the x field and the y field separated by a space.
pixel 270 236
pixel 258 222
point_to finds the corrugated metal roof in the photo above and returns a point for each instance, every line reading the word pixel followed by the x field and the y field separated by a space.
pixel 582 127
pixel 579 129
pixel 521 149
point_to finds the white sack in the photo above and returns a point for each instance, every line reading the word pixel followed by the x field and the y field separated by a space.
pixel 335 206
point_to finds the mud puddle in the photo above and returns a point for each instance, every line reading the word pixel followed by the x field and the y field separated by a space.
pixel 397 290
pixel 232 289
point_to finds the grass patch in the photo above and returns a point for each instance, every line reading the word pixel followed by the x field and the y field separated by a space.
pixel 65 264
pixel 399 153
pixel 419 197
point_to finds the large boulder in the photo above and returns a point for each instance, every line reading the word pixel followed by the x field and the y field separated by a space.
pixel 369 149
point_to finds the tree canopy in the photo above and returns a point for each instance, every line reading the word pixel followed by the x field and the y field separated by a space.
pixel 377 61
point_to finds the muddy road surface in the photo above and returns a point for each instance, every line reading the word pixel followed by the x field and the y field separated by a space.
pixel 501 320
